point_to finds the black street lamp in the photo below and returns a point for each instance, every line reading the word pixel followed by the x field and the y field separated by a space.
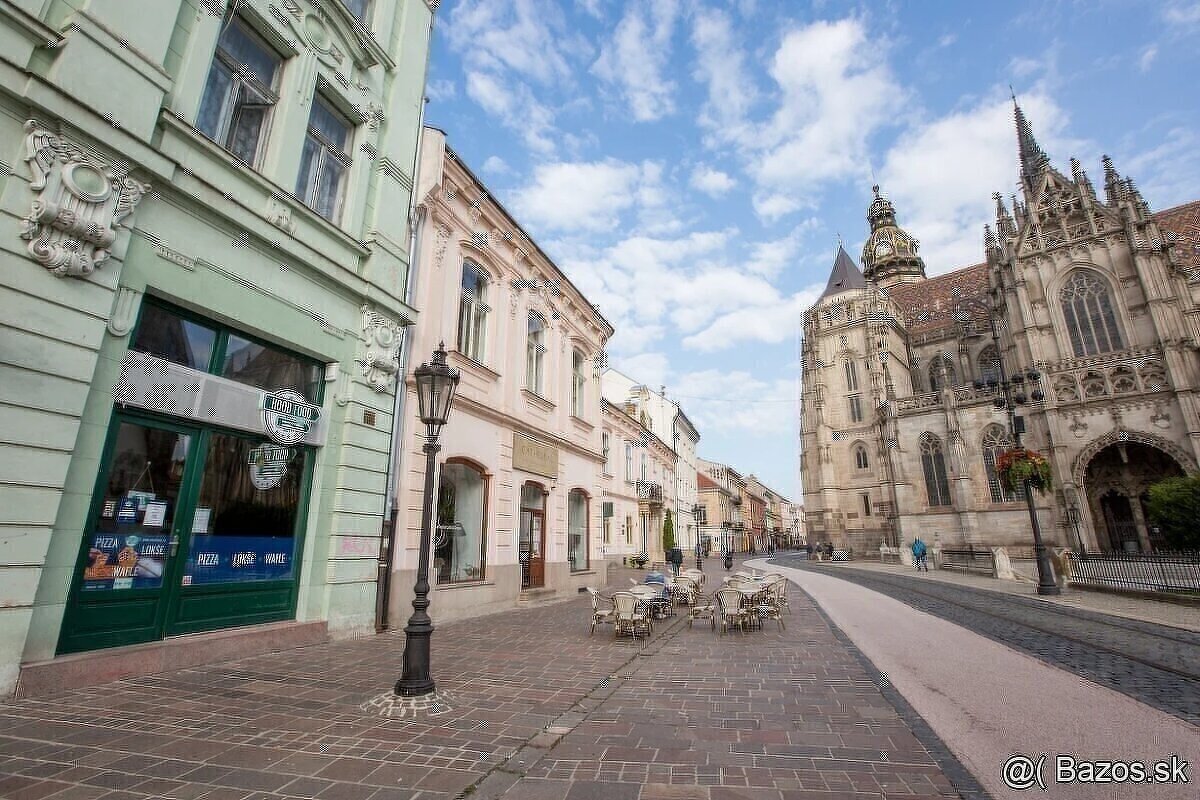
pixel 436 384
pixel 1012 395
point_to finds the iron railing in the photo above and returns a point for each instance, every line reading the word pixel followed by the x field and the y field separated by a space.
pixel 1162 571
pixel 971 559
pixel 647 490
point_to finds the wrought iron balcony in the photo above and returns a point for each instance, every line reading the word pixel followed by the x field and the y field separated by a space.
pixel 650 492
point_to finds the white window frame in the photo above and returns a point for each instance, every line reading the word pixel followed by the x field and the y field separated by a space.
pixel 473 313
pixel 535 353
pixel 312 182
pixel 578 383
pixel 242 81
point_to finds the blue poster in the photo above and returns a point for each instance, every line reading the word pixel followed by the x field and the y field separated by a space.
pixel 120 561
pixel 234 559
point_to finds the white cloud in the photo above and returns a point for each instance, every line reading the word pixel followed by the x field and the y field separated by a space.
pixel 636 59
pixel 496 165
pixel 587 196
pixel 836 90
pixel 941 174
pixel 1146 59
pixel 1182 13
pixel 769 258
pixel 441 89
pixel 651 369
pixel 711 181
pixel 1168 173
pixel 737 401
pixel 773 319
pixel 771 207
pixel 720 65
pixel 515 105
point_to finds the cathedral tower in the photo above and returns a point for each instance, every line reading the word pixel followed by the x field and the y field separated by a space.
pixel 890 255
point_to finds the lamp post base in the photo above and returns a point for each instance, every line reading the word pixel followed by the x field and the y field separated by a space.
pixel 416 679
pixel 1051 589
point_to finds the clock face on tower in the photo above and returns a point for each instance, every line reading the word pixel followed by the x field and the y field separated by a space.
pixel 883 249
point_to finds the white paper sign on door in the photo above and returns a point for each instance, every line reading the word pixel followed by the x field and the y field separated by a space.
pixel 156 514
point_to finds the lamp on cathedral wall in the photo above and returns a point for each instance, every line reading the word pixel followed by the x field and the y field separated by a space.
pixel 1012 394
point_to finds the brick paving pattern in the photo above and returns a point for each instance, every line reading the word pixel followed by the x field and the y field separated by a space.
pixel 538 711
pixel 1154 664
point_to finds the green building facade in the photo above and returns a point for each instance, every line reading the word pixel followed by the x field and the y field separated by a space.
pixel 204 266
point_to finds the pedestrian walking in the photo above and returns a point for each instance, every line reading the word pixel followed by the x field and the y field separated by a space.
pixel 919 552
pixel 808 550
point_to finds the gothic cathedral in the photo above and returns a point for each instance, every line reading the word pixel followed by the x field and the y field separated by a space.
pixel 1086 308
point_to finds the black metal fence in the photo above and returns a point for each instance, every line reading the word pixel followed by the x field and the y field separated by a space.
pixel 969 559
pixel 1175 572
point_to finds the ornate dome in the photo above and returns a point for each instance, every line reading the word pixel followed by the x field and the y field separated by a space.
pixel 890 254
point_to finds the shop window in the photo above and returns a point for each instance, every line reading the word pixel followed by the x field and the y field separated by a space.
pixel 240 92
pixel 206 346
pixel 473 312
pixel 178 340
pixel 577 530
pixel 324 161
pixel 459 545
pixel 244 525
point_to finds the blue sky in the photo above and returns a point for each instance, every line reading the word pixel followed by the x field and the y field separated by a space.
pixel 690 165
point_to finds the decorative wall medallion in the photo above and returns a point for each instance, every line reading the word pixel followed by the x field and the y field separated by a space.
pixel 79 204
pixel 383 339
pixel 120 322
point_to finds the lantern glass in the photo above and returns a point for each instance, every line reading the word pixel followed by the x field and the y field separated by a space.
pixel 436 384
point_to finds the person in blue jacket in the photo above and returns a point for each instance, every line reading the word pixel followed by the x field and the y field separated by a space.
pixel 919 552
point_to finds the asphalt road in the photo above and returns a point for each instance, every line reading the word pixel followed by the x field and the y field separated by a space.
pixel 1153 664
pixel 993 678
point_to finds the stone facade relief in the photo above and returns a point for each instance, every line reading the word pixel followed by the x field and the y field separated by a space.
pixel 79 203
pixel 381 357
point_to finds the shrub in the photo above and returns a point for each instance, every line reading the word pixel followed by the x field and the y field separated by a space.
pixel 1174 506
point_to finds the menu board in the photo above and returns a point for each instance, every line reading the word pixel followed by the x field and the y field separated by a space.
pixel 234 559
pixel 125 561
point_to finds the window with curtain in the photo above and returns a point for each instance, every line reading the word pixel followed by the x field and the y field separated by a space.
pixel 578 383
pixel 989 364
pixel 324 161
pixel 942 373
pixel 860 456
pixel 577 530
pixel 1088 312
pixel 933 463
pixel 240 92
pixel 995 441
pixel 473 312
pixel 458 545
pixel 535 353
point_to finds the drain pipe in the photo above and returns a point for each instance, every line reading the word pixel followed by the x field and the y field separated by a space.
pixel 416 216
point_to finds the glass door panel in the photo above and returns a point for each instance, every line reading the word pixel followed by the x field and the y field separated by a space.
pixel 125 561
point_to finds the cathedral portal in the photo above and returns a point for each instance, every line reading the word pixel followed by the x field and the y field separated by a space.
pixel 1118 479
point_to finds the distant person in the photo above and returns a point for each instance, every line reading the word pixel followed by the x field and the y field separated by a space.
pixel 808 548
pixel 919 552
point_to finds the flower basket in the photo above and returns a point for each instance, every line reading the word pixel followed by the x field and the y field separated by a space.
pixel 1016 466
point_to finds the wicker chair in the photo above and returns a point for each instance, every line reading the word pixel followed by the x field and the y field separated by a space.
pixel 729 602
pixel 768 606
pixel 703 608
pixel 685 590
pixel 631 617
pixel 603 611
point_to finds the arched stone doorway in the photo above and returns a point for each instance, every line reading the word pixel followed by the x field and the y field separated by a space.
pixel 1117 480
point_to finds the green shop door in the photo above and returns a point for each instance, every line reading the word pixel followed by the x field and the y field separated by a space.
pixel 191 529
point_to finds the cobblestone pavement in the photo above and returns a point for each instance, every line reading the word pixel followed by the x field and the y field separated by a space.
pixel 1154 664
pixel 532 708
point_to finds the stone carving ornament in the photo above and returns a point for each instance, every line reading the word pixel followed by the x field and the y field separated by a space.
pixel 79 204
pixel 381 360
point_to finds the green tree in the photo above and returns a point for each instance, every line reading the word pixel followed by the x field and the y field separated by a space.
pixel 1174 507
pixel 668 533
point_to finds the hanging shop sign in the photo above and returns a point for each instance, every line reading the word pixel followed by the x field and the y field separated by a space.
pixel 287 416
pixel 268 465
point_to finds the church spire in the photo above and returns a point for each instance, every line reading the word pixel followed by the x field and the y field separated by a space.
pixel 1033 157
pixel 845 275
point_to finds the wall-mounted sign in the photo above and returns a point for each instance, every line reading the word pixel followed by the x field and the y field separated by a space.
pixel 287 416
pixel 534 456
pixel 268 465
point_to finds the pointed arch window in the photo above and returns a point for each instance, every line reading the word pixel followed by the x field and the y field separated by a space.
pixel 1088 312
pixel 942 373
pixel 933 463
pixel 995 441
pixel 851 376
pixel 989 364
pixel 860 456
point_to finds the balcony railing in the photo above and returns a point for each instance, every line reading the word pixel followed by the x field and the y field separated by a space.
pixel 650 492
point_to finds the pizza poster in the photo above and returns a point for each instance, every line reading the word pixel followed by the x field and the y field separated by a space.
pixel 125 561
pixel 234 559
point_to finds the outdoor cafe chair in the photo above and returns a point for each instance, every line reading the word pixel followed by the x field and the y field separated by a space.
pixel 631 617
pixel 601 615
pixel 732 612
pixel 767 605
pixel 703 608
pixel 685 590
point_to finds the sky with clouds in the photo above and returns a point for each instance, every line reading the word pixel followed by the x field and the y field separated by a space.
pixel 691 165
